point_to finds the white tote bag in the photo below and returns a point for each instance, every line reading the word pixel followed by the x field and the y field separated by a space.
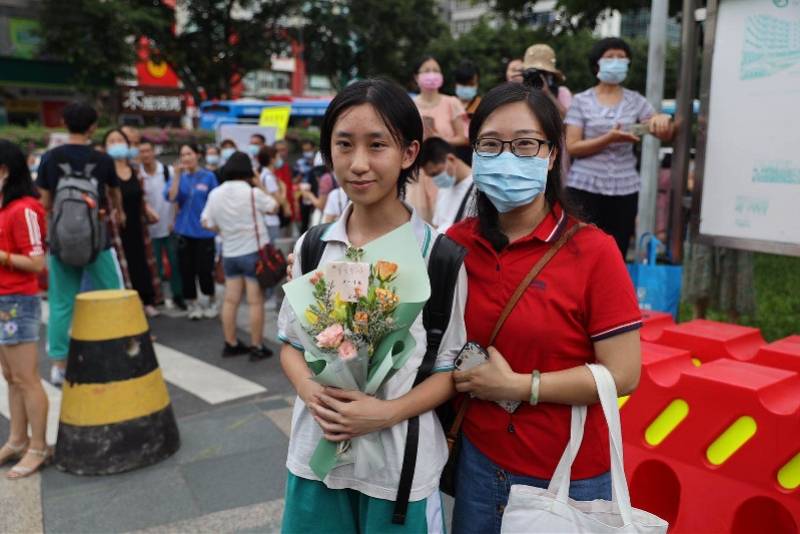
pixel 532 510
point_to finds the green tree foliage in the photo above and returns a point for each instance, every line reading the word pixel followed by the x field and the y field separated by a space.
pixel 347 39
pixel 90 35
pixel 491 49
pixel 220 42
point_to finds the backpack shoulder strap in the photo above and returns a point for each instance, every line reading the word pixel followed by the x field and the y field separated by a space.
pixel 313 247
pixel 444 265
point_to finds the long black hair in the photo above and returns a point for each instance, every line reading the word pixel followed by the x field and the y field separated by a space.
pixel 119 131
pixel 19 183
pixel 553 128
pixel 393 106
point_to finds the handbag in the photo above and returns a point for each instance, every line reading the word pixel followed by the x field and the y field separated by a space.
pixel 271 265
pixel 551 510
pixel 658 287
pixel 448 481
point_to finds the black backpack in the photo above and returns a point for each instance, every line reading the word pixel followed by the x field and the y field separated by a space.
pixel 444 264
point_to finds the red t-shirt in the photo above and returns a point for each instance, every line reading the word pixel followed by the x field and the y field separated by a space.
pixel 22 231
pixel 284 174
pixel 583 295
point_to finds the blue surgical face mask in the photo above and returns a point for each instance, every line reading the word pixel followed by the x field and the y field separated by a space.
pixel 133 152
pixel 253 150
pixel 226 153
pixel 443 180
pixel 466 92
pixel 278 163
pixel 212 159
pixel 309 155
pixel 118 151
pixel 613 70
pixel 509 181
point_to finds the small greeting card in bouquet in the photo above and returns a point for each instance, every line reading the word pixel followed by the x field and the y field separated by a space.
pixel 354 319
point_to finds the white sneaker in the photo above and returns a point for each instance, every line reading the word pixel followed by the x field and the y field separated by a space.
pixel 210 311
pixel 169 305
pixel 195 311
pixel 57 375
pixel 151 311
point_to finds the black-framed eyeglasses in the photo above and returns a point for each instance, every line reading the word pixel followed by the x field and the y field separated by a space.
pixel 523 147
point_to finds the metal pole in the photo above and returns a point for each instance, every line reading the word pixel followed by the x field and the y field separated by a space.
pixel 656 61
pixel 683 124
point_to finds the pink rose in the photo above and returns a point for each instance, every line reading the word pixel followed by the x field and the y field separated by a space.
pixel 331 337
pixel 347 351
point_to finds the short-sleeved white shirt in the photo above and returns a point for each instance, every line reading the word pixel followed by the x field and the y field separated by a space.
pixel 336 203
pixel 229 209
pixel 432 453
pixel 448 202
pixel 271 185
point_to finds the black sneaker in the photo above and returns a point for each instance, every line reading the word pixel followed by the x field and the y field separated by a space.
pixel 260 353
pixel 180 304
pixel 234 350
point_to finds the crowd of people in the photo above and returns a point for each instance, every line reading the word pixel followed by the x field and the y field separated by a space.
pixel 509 175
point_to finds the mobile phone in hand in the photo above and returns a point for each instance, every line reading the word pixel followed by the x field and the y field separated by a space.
pixel 637 129
pixel 472 355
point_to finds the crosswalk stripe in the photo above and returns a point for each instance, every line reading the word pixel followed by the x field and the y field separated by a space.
pixel 209 382
pixel 53 395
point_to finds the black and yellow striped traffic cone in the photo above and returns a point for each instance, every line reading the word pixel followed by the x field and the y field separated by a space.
pixel 115 409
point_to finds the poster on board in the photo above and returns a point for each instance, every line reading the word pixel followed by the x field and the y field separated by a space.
pixel 240 134
pixel 751 176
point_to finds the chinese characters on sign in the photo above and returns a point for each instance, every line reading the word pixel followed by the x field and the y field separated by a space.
pixel 151 102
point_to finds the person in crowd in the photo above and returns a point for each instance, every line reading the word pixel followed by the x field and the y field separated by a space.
pixel 257 142
pixel 467 78
pixel 335 205
pixel 318 196
pixel 213 161
pixel 539 70
pixel 189 188
pixel 136 248
pixel 227 148
pixel 514 71
pixel 283 171
pixel 155 176
pixel 305 180
pixel 370 133
pixel 603 180
pixel 22 257
pixel 590 314
pixel 134 140
pixel 267 158
pixel 442 116
pixel 236 211
pixel 65 280
pixel 455 200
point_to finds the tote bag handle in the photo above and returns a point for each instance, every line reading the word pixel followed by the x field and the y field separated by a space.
pixel 559 484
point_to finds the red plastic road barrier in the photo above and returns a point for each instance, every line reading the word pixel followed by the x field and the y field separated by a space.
pixel 653 323
pixel 784 354
pixel 710 340
pixel 715 447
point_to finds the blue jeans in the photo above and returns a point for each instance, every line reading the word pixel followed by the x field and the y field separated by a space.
pixel 482 490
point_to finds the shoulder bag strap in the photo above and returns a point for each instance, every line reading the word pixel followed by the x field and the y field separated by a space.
pixel 255 222
pixel 452 434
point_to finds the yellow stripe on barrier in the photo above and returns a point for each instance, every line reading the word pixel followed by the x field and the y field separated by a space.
pixel 730 441
pixel 113 402
pixel 667 421
pixel 621 401
pixel 110 314
pixel 789 475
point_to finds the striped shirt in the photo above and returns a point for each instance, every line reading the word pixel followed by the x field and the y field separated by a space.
pixel 612 171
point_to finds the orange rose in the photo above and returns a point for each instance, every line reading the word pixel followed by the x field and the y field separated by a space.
pixel 385 269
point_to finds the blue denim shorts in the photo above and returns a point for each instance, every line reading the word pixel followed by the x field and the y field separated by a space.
pixel 239 266
pixel 20 319
pixel 482 490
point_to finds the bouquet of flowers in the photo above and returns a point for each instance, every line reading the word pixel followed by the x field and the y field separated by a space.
pixel 354 318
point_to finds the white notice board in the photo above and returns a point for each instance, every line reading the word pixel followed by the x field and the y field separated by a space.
pixel 751 168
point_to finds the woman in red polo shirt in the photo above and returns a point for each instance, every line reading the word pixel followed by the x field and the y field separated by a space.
pixel 21 258
pixel 580 309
